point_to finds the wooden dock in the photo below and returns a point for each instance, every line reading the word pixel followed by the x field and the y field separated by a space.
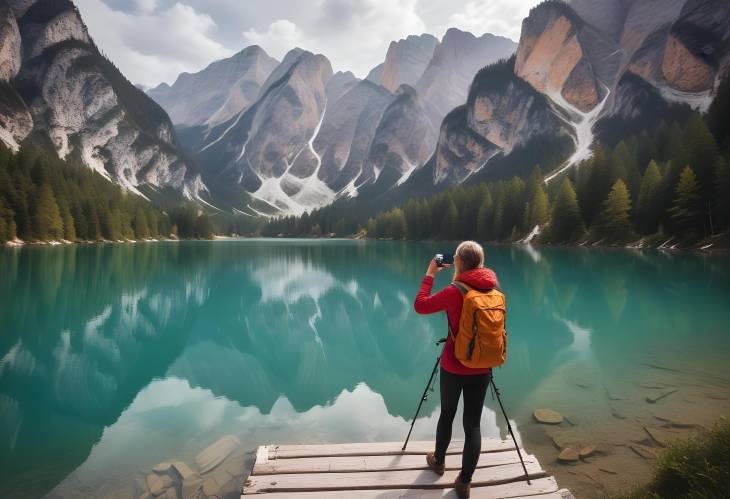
pixel 381 470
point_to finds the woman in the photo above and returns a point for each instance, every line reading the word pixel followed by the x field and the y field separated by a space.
pixel 455 377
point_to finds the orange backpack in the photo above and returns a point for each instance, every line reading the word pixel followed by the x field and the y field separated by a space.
pixel 482 339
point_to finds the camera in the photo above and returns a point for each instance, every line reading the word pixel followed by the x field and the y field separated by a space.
pixel 443 258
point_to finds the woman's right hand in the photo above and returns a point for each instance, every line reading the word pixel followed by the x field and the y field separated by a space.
pixel 433 268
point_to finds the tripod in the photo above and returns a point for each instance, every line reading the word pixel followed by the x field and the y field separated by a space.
pixel 424 397
pixel 495 393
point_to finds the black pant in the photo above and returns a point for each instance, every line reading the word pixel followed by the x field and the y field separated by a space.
pixel 475 389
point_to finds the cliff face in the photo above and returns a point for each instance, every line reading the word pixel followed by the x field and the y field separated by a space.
pixel 10 44
pixel 16 121
pixel 267 149
pixel 502 112
pixel 403 140
pixel 551 57
pixel 218 92
pixel 579 52
pixel 684 51
pixel 406 60
pixel 58 85
pixel 347 131
pixel 444 84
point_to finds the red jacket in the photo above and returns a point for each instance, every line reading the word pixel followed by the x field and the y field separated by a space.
pixel 450 300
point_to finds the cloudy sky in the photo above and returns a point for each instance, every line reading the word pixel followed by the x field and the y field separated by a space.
pixel 153 41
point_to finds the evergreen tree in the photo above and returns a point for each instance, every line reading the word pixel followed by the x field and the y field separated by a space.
pixel 7 222
pixel 719 111
pixel 595 185
pixel 614 222
pixel 703 151
pixel 686 210
pixel 94 226
pixel 69 229
pixel 621 162
pixel 721 212
pixel 203 227
pixel 673 145
pixel 648 204
pixel 485 218
pixel 566 223
pixel 47 222
pixel 371 227
pixel 450 219
pixel 141 226
pixel 540 208
pixel 398 224
pixel 525 226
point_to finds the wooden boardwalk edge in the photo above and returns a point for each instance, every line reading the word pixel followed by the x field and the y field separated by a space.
pixel 380 470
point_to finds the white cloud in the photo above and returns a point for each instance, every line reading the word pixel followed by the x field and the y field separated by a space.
pixel 153 44
pixel 154 40
pixel 353 34
pixel 281 36
pixel 146 5
pixel 499 17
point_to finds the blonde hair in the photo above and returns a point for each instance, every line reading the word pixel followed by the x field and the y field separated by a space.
pixel 471 255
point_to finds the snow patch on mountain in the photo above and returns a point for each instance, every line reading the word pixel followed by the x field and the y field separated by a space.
pixel 309 192
pixel 699 101
pixel 192 190
pixel 9 140
pixel 582 123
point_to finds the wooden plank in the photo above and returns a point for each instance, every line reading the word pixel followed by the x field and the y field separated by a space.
pixel 404 479
pixel 262 455
pixel 332 464
pixel 540 488
pixel 378 448
pixel 560 494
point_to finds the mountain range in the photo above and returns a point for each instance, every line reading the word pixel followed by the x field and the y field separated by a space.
pixel 60 93
pixel 254 135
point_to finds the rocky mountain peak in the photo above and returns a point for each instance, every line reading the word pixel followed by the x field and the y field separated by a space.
pixel 551 56
pixel 10 44
pixel 75 100
pixel 406 60
pixel 217 92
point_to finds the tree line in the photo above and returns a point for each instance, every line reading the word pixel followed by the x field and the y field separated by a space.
pixel 43 198
pixel 672 182
pixel 675 186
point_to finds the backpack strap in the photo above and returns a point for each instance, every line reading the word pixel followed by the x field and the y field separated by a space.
pixel 463 288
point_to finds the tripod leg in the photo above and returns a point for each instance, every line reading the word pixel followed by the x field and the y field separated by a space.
pixel 509 429
pixel 423 398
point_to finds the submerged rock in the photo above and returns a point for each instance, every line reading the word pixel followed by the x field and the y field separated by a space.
pixel 183 470
pixel 568 455
pixel 655 398
pixel 644 451
pixel 170 493
pixel 192 488
pixel 547 416
pixel 662 436
pixel 163 467
pixel 587 451
pixel 216 453
pixel 158 483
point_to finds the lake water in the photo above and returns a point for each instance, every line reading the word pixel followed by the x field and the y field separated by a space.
pixel 114 358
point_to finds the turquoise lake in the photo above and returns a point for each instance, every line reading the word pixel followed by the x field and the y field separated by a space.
pixel 116 357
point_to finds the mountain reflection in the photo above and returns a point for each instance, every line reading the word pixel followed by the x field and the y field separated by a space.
pixel 146 351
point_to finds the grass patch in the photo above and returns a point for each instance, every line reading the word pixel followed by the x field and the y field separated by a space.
pixel 694 468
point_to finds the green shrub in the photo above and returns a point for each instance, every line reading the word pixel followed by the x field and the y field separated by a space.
pixel 694 468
